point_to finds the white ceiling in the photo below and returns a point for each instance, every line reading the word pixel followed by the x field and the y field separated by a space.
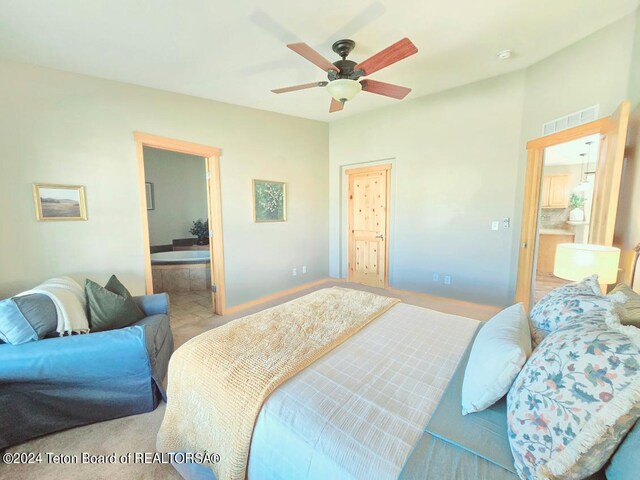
pixel 568 153
pixel 234 51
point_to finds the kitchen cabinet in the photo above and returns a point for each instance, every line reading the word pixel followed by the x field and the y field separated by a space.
pixel 555 191
pixel 547 244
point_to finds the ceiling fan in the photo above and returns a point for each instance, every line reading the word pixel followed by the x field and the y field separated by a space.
pixel 343 75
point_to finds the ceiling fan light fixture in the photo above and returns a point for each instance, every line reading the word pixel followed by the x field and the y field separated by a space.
pixel 344 89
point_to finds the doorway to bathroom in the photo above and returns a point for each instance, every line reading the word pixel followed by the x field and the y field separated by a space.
pixel 181 217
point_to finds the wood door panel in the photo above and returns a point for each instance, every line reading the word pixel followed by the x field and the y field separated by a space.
pixel 368 206
pixel 608 177
pixel 367 258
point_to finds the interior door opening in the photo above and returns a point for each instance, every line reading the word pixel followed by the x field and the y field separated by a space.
pixel 178 224
pixel 551 185
pixel 181 219
pixel 565 207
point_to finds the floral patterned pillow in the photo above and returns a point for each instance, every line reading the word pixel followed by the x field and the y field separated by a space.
pixel 566 303
pixel 575 398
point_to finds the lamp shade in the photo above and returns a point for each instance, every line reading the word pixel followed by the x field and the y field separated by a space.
pixel 575 261
pixel 343 89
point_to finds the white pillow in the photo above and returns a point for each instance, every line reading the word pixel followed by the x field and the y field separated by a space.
pixel 499 352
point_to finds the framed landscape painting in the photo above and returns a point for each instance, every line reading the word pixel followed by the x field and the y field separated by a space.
pixel 59 202
pixel 269 201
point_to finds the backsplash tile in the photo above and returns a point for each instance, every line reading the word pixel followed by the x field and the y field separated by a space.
pixel 554 217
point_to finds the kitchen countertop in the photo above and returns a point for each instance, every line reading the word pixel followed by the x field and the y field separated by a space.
pixel 555 231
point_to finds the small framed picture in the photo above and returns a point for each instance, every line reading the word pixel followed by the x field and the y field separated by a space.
pixel 269 201
pixel 59 202
pixel 149 189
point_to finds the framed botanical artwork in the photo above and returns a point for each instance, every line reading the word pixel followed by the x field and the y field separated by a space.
pixel 149 190
pixel 59 202
pixel 269 201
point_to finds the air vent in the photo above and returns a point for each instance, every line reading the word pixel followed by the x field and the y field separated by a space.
pixel 572 120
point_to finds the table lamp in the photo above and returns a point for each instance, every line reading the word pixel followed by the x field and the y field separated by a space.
pixel 576 261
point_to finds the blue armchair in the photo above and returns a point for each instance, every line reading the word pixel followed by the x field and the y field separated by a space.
pixel 63 382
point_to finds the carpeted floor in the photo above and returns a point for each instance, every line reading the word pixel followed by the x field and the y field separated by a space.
pixel 190 316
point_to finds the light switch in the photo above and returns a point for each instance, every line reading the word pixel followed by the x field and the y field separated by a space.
pixel 506 222
pixel 495 225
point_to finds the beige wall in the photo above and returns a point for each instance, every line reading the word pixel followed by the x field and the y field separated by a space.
pixel 180 194
pixel 458 164
pixel 594 71
pixel 455 157
pixel 460 159
pixel 66 128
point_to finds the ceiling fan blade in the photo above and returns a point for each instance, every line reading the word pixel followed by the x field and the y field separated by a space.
pixel 300 87
pixel 335 106
pixel 386 89
pixel 392 54
pixel 314 57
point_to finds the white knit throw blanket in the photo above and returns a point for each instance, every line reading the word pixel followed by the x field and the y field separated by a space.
pixel 69 299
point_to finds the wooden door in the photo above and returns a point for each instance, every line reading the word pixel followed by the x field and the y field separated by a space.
pixel 216 274
pixel 368 219
pixel 529 229
pixel 609 176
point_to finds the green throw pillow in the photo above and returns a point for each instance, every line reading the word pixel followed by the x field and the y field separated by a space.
pixel 630 310
pixel 111 306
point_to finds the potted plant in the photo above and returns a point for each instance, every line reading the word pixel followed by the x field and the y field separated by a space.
pixel 576 202
pixel 201 230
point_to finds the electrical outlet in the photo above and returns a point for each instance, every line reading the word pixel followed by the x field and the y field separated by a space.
pixel 447 279
pixel 495 225
pixel 506 222
pixel 304 269
pixel 436 277
pixel 294 272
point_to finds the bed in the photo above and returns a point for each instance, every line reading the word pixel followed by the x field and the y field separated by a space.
pixel 361 410
pixel 384 404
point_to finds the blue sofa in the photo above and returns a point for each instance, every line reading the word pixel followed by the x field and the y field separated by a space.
pixel 62 382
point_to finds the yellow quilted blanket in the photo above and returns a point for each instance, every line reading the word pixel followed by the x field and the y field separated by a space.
pixel 219 380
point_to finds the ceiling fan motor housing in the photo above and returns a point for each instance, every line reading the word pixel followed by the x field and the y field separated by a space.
pixel 343 47
pixel 346 67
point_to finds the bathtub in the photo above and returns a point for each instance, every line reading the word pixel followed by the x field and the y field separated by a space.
pixel 181 271
pixel 183 257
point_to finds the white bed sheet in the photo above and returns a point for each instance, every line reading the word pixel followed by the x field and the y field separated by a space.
pixel 358 411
